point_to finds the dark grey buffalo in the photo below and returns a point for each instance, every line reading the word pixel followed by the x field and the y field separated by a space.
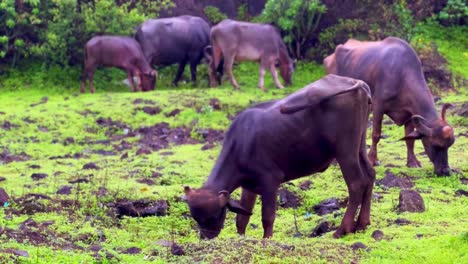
pixel 283 140
pixel 394 74
pixel 173 40
pixel 242 41
pixel 121 52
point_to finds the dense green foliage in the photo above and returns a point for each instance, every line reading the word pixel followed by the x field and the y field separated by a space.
pixel 55 31
pixel 454 13
pixel 214 14
pixel 298 19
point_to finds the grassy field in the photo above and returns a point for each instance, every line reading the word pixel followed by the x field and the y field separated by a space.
pixel 70 162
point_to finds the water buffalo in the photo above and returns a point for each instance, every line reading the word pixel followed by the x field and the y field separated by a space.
pixel 121 52
pixel 242 41
pixel 394 74
pixel 279 141
pixel 179 40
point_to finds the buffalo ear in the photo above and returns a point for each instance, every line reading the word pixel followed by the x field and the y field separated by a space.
pixel 413 136
pixel 234 206
pixel 418 122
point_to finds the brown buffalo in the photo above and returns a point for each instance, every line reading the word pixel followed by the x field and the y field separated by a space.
pixel 121 52
pixel 241 41
pixel 279 141
pixel 393 72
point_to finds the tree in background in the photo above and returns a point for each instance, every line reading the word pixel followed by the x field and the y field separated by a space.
pixel 298 19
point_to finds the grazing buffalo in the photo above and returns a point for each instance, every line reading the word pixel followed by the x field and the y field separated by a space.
pixel 393 72
pixel 279 141
pixel 121 52
pixel 242 41
pixel 179 40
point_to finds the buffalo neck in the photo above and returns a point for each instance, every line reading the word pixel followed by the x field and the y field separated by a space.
pixel 422 102
pixel 225 174
pixel 283 55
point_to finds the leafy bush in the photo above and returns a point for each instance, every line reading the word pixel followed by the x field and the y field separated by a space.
pixel 454 13
pixel 298 19
pixel 55 31
pixel 214 14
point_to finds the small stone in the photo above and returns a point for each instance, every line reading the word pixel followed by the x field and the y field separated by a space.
pixel 410 201
pixel 132 251
pixel 359 246
pixel 377 235
pixel 20 253
pixel 402 221
pixel 461 193
pixel 321 229
pixel 2 179
pixel 124 156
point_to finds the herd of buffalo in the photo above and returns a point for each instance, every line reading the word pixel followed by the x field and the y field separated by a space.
pixel 282 140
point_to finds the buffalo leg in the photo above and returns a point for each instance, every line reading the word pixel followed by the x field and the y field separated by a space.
pixel 356 183
pixel 376 132
pixel 247 201
pixel 130 80
pixel 180 70
pixel 228 62
pixel 411 161
pixel 91 80
pixel 274 74
pixel 193 71
pixel 83 83
pixel 367 169
pixel 261 78
pixel 138 75
pixel 268 212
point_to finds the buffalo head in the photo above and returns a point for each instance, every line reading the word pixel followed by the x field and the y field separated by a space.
pixel 208 208
pixel 437 137
pixel 286 70
pixel 148 80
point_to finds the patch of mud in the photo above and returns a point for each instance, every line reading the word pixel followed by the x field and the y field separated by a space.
pixel 410 201
pixel 87 112
pixel 7 157
pixel 43 101
pixel 288 199
pixel 113 127
pixel 6 125
pixel 215 104
pixel 150 110
pixel 173 113
pixel 32 203
pixel 38 176
pixel 329 206
pixel 143 101
pixel 359 246
pixel 64 190
pixel 2 179
pixel 69 156
pixel 131 251
pixel 146 181
pixel 91 166
pixel 391 180
pixel 4 197
pixel 461 192
pixel 140 208
pixel 305 185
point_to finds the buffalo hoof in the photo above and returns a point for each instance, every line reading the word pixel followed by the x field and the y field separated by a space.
pixel 361 226
pixel 280 87
pixel 413 164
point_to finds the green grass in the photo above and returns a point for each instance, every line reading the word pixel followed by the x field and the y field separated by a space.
pixel 438 235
